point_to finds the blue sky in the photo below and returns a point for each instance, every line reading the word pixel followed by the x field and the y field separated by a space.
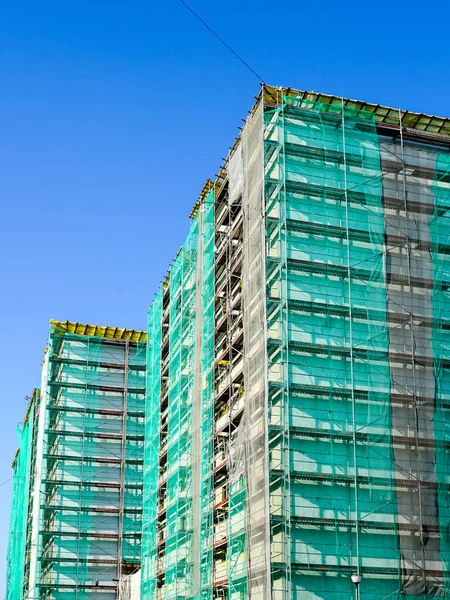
pixel 112 116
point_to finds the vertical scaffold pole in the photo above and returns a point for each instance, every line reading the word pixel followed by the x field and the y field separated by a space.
pixel 350 313
pixel 286 452
pixel 122 473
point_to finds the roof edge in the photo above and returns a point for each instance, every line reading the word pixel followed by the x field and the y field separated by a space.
pixel 105 332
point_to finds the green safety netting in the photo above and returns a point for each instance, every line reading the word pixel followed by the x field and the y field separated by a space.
pixel 339 464
pixel 333 495
pixel 179 421
pixel 178 557
pixel 440 240
pixel 91 466
pixel 15 560
pixel 151 507
pixel 207 234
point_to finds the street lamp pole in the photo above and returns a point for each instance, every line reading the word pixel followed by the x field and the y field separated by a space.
pixel 356 579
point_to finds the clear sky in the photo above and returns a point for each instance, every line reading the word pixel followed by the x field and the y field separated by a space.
pixel 112 116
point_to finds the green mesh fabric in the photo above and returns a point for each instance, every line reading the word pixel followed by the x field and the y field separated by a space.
pixel 333 497
pixel 440 238
pixel 207 396
pixel 331 468
pixel 151 450
pixel 90 514
pixel 178 501
pixel 15 561
pixel 133 451
pixel 179 575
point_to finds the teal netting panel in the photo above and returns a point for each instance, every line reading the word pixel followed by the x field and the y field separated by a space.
pixel 133 451
pixel 93 455
pixel 151 451
pixel 179 544
pixel 70 452
pixel 178 499
pixel 19 512
pixel 440 239
pixel 207 397
pixel 333 493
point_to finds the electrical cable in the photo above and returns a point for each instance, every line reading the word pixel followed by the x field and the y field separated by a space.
pixel 261 80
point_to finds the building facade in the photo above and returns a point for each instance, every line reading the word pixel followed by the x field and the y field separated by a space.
pixel 81 491
pixel 296 429
pixel 284 432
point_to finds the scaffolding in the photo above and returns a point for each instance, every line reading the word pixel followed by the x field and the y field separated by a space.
pixel 178 517
pixel 296 421
pixel 35 403
pixel 16 572
pixel 333 447
pixel 440 242
pixel 85 521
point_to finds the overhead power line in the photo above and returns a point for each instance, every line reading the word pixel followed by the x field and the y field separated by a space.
pixel 261 80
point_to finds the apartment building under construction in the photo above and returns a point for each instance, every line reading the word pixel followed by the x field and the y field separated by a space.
pixel 296 430
pixel 75 527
